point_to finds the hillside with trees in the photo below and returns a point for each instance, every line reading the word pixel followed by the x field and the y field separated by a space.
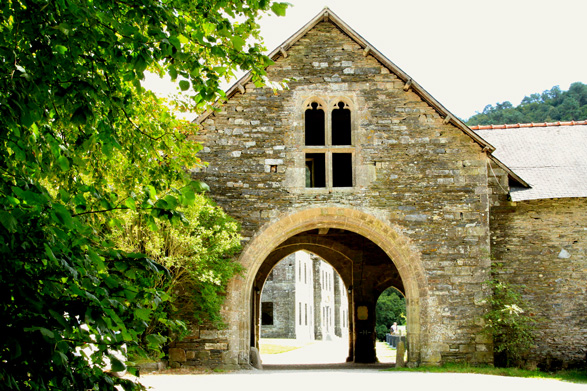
pixel 550 106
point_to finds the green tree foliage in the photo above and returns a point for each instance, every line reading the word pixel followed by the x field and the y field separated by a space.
pixel 198 255
pixel 550 106
pixel 509 323
pixel 81 141
pixel 390 308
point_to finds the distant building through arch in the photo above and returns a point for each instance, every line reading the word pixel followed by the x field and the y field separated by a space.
pixel 304 298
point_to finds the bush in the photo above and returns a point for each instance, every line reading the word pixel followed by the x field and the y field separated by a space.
pixel 509 324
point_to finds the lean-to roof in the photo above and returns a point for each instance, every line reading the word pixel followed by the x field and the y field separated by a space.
pixel 551 157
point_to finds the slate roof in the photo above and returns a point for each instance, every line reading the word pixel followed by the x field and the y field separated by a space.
pixel 550 157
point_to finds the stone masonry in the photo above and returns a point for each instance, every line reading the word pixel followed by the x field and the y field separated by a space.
pixel 541 246
pixel 422 176
pixel 417 216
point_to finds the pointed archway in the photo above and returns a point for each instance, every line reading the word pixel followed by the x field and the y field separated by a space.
pixel 328 233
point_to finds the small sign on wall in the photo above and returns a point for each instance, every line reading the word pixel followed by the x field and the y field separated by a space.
pixel 362 312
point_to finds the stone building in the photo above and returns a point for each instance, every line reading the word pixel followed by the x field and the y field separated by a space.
pixel 539 233
pixel 304 298
pixel 355 162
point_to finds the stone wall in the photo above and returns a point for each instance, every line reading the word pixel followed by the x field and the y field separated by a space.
pixel 280 290
pixel 541 245
pixel 203 347
pixel 420 175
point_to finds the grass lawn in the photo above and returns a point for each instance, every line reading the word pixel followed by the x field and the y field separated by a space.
pixel 574 376
pixel 276 346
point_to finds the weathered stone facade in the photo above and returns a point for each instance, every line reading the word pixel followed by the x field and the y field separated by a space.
pixel 417 216
pixel 541 245
pixel 279 291
pixel 303 298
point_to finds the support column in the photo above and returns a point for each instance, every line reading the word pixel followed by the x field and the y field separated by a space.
pixel 365 333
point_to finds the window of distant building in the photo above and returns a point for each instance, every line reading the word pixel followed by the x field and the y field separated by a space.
pixel 300 313
pixel 267 313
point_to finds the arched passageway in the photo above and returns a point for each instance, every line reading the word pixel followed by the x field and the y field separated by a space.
pixel 365 269
pixel 369 256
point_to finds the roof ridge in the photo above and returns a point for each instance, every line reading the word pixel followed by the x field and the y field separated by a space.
pixel 528 125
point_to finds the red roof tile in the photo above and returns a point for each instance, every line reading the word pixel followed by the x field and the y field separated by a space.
pixel 530 125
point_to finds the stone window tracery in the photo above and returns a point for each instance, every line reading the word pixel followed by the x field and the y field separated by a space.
pixel 328 145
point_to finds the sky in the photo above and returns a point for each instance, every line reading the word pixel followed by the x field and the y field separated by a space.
pixel 465 53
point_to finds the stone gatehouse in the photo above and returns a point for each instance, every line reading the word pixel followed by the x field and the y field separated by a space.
pixel 355 162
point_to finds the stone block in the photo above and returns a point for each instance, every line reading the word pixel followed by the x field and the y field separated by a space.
pixel 202 355
pixel 216 346
pixel 208 334
pixel 177 355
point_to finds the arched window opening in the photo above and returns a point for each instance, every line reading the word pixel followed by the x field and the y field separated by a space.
pixel 341 125
pixel 390 327
pixel 304 312
pixel 314 125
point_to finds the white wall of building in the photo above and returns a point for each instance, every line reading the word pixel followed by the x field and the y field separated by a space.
pixel 304 296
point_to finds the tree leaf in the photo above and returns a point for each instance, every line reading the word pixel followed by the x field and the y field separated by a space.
pixel 172 73
pixel 184 85
pixel 8 221
pixel 237 42
pixel 63 163
pixel 116 365
pixel 171 201
pixel 60 49
pixel 62 216
pixel 155 340
pixel 47 333
pixel 279 8
pixel 59 358
pixel 143 313
pixel 131 203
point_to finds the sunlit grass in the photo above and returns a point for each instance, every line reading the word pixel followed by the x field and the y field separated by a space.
pixel 574 376
pixel 276 349
pixel 276 346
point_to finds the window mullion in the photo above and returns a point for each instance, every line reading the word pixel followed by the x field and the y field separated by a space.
pixel 328 169
pixel 328 128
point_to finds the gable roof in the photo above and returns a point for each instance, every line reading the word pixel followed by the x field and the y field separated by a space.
pixel 327 15
pixel 552 157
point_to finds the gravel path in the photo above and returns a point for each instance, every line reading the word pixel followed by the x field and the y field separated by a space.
pixel 350 380
pixel 321 368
